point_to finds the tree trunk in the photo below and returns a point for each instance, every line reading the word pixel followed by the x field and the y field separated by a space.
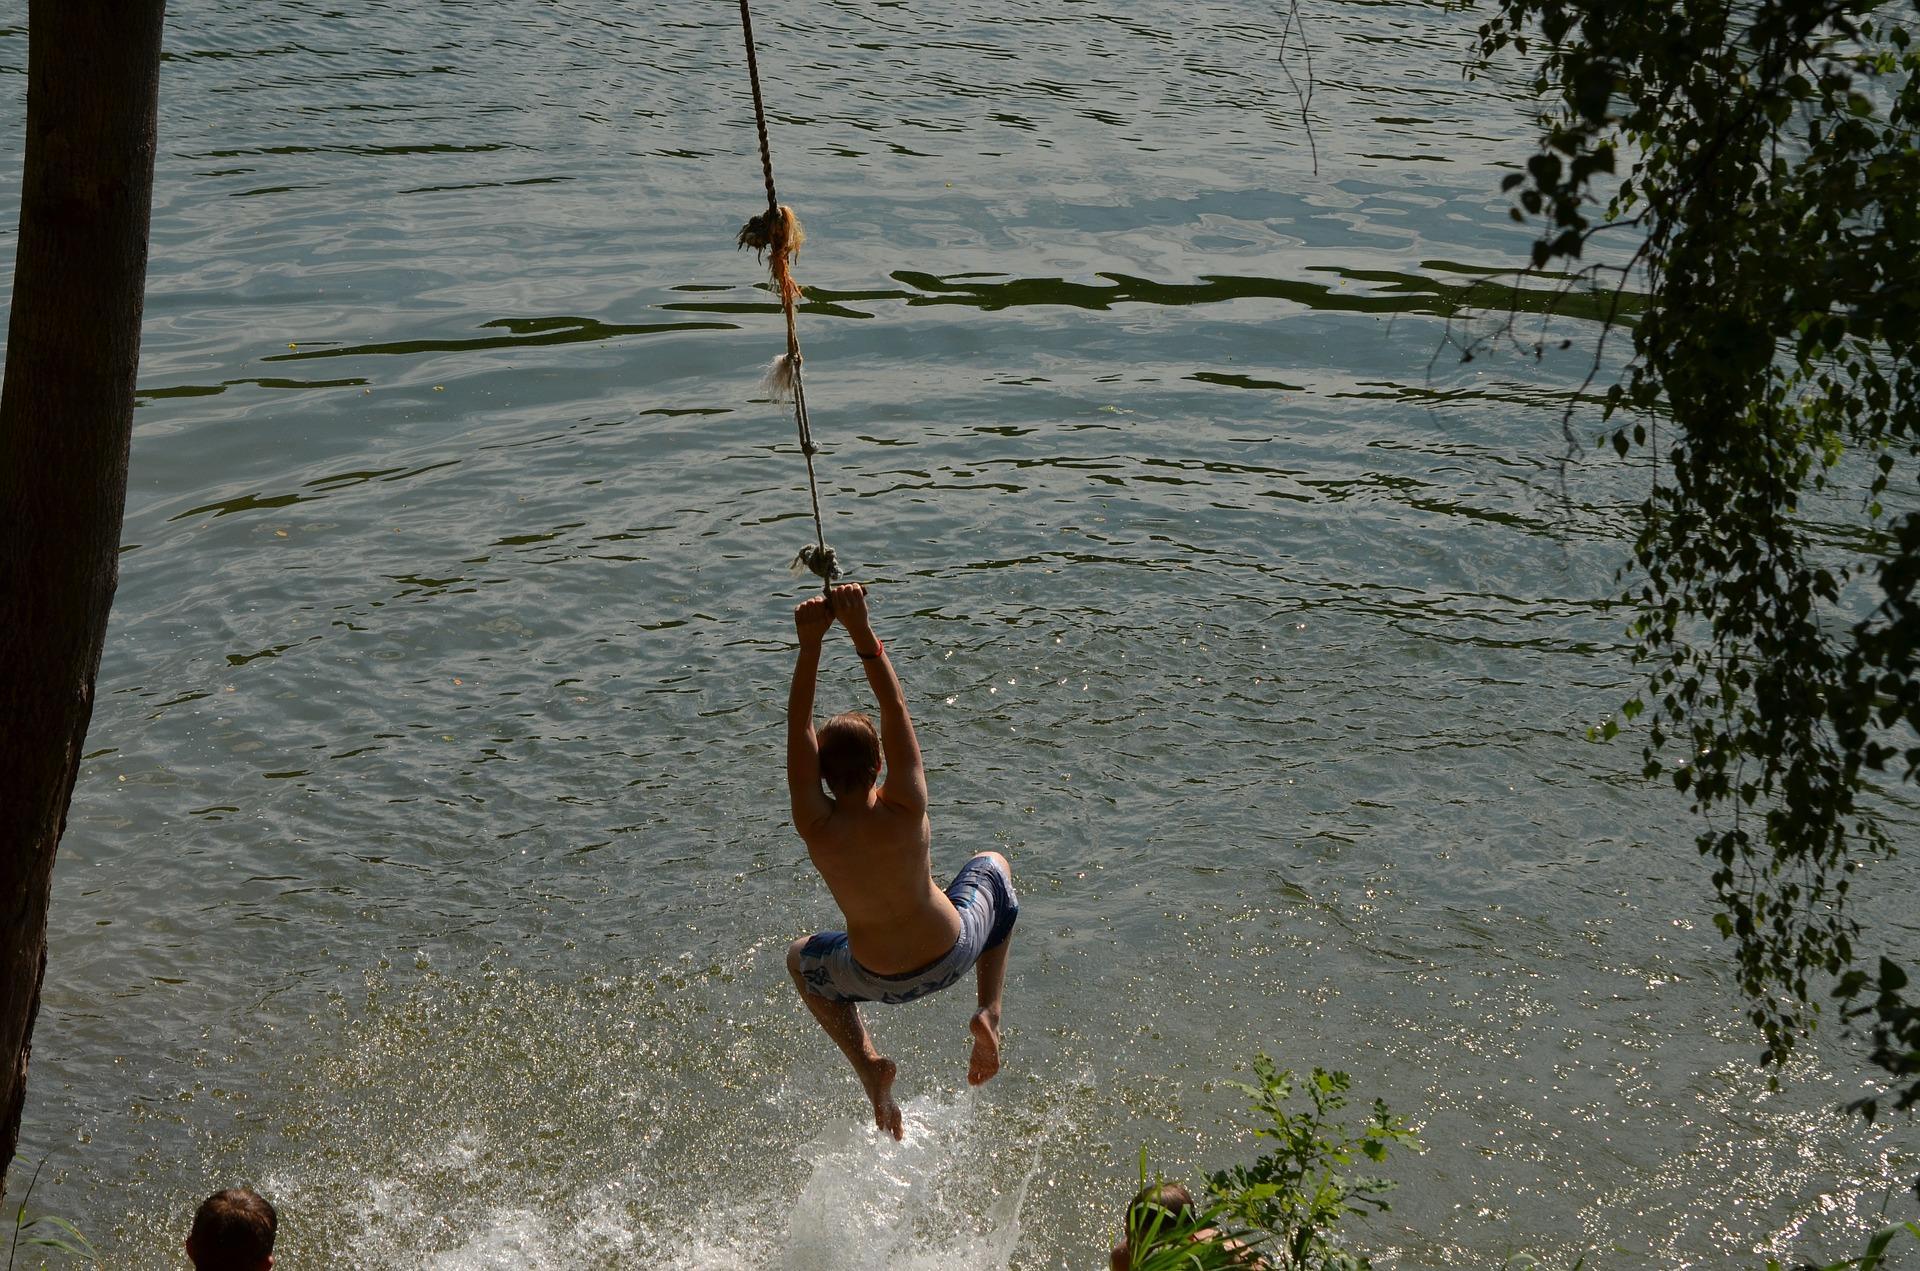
pixel 66 413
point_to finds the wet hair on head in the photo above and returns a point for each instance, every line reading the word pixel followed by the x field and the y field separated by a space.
pixel 849 753
pixel 1157 1211
pixel 233 1231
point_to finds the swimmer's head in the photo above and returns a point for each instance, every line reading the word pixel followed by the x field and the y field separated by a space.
pixel 1158 1214
pixel 233 1231
pixel 849 754
pixel 1161 1204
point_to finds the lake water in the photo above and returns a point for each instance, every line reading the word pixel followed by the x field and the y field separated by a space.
pixel 430 866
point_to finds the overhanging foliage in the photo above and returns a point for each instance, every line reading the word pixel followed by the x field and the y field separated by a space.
pixel 1761 161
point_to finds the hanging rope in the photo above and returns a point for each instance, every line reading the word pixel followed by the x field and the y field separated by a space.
pixel 776 235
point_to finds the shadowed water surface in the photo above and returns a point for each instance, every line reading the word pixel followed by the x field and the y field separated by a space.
pixel 430 863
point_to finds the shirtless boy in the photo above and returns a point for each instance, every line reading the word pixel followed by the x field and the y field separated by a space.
pixel 905 938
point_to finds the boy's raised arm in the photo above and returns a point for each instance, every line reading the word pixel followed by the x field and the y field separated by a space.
pixel 906 779
pixel 809 804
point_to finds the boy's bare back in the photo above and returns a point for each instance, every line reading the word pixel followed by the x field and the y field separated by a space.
pixel 873 847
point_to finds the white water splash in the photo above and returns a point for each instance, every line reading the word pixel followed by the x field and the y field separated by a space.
pixel 937 1200
pixel 948 1198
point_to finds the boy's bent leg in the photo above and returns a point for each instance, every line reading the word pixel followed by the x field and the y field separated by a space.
pixel 990 974
pixel 841 1020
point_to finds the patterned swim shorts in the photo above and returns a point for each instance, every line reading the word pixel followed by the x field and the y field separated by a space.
pixel 982 894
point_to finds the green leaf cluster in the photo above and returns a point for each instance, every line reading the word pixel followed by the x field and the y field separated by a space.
pixel 1309 1177
pixel 1762 159
pixel 1283 1209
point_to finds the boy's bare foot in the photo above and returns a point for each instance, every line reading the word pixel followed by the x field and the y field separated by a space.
pixel 878 1077
pixel 986 1046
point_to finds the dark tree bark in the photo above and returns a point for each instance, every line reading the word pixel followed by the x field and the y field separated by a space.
pixel 66 413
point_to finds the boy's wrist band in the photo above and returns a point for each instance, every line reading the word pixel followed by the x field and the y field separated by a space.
pixel 878 649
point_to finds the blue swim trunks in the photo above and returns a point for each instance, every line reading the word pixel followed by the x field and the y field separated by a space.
pixel 982 893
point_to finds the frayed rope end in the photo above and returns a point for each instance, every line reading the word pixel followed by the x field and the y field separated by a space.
pixel 776 236
pixel 779 232
pixel 778 382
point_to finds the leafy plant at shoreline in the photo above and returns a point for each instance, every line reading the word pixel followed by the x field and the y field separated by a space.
pixel 1770 210
pixel 1288 1202
pixel 58 1233
pixel 1300 1189
pixel 1283 1209
pixel 1874 1257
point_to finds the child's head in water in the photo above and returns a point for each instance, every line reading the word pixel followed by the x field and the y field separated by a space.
pixel 1162 1216
pixel 233 1230
pixel 1158 1214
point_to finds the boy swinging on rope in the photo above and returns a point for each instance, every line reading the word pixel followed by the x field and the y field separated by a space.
pixel 905 938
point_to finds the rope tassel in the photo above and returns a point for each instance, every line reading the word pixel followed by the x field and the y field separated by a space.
pixel 777 383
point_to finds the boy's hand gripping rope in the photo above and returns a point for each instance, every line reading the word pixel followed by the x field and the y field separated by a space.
pixel 776 235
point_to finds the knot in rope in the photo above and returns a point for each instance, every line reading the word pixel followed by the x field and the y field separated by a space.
pixel 776 236
pixel 820 560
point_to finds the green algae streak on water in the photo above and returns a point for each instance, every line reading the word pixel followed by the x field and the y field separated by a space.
pixel 430 866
